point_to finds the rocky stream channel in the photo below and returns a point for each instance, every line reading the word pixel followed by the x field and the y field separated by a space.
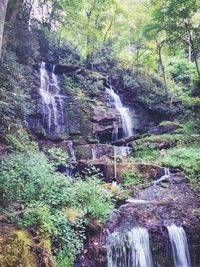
pixel 158 226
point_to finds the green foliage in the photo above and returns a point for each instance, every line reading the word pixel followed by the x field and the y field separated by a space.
pixel 20 141
pixel 145 151
pixel 167 140
pixel 132 178
pixel 93 198
pixel 82 85
pixel 149 90
pixel 181 71
pixel 53 48
pixel 57 156
pixel 186 158
pixel 14 87
pixel 181 151
pixel 47 197
pixel 87 23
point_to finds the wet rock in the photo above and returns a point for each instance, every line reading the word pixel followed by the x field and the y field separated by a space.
pixel 164 128
pixel 175 203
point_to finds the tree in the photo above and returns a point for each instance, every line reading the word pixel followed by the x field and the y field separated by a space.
pixel 177 19
pixel 3 8
pixel 87 23
pixel 153 32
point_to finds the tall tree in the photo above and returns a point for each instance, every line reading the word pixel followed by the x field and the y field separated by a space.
pixel 3 8
pixel 153 32
pixel 87 22
pixel 177 19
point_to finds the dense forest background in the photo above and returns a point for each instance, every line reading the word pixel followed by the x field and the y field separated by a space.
pixel 150 49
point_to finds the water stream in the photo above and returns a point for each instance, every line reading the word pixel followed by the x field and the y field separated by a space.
pixel 71 151
pixel 94 152
pixel 124 112
pixel 52 100
pixel 165 177
pixel 129 250
pixel 179 245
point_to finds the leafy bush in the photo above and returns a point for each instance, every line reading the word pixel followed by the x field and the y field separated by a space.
pixel 20 141
pixel 145 151
pixel 47 197
pixel 15 101
pixel 181 71
pixel 57 156
pixel 186 158
pixel 132 178
pixel 145 147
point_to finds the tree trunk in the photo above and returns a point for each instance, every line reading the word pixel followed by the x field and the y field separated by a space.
pixel 192 47
pixel 159 48
pixel 3 8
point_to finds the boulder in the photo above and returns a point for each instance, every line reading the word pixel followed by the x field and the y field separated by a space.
pixel 164 127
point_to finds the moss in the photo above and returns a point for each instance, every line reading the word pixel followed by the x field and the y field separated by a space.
pixel 14 248
pixel 165 141
pixel 169 123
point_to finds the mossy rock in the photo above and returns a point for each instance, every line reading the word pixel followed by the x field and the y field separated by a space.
pixel 15 248
pixel 165 141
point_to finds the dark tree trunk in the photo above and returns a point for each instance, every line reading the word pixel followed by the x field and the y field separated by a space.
pixel 159 51
pixel 194 53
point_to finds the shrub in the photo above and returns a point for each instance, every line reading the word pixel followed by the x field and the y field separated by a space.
pixel 132 178
pixel 15 101
pixel 57 156
pixel 47 199
pixel 20 141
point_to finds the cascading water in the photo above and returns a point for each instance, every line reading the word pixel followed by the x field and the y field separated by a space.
pixel 124 113
pixel 123 150
pixel 129 250
pixel 94 153
pixel 52 100
pixel 179 245
pixel 165 177
pixel 71 150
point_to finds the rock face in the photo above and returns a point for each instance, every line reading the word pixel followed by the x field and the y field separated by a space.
pixel 107 168
pixel 80 115
pixel 165 205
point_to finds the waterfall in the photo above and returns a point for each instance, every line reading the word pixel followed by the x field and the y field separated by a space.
pixel 52 100
pixel 165 177
pixel 94 154
pixel 71 150
pixel 123 151
pixel 166 172
pixel 68 171
pixel 123 111
pixel 129 250
pixel 179 245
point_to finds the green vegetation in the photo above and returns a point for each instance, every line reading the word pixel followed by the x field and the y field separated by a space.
pixel 130 178
pixel 148 49
pixel 180 151
pixel 47 198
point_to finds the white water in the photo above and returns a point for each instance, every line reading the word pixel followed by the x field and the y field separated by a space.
pixel 123 150
pixel 130 250
pixel 68 171
pixel 124 113
pixel 137 201
pixel 52 100
pixel 179 245
pixel 71 150
pixel 165 177
pixel 94 153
